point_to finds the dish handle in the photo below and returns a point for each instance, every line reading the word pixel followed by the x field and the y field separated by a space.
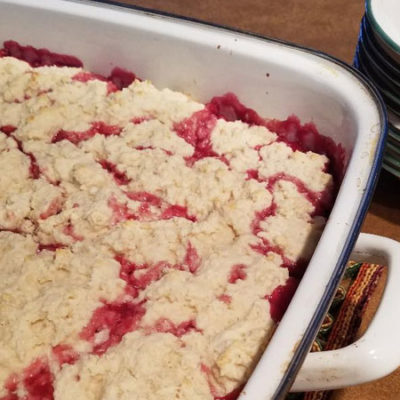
pixel 376 353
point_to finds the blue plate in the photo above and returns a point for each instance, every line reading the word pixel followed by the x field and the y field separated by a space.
pixel 391 100
pixel 392 161
pixel 390 169
pixel 393 150
pixel 387 78
pixel 394 135
pixel 393 45
pixel 375 73
pixel 376 51
pixel 393 140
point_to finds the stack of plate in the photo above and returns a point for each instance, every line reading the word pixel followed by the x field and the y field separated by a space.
pixel 378 57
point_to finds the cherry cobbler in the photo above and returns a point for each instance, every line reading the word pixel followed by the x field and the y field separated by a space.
pixel 149 243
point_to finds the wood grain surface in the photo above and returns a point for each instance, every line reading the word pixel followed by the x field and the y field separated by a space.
pixel 331 26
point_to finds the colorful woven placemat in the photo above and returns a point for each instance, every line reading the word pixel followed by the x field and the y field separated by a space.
pixel 343 320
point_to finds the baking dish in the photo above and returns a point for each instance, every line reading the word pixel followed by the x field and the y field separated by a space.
pixel 277 79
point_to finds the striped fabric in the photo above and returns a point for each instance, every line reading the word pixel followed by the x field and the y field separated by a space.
pixel 341 324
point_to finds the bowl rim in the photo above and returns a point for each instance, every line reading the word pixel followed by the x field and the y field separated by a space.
pixel 391 101
pixel 381 84
pixel 380 31
pixel 379 69
pixel 370 42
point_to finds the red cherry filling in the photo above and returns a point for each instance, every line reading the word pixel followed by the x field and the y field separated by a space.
pixel 117 319
pixel 320 200
pixel 70 231
pixel 232 395
pixel 75 137
pixel 38 57
pixel 50 247
pixel 121 78
pixel 164 325
pixel 230 108
pixel 280 298
pixel 38 381
pixel 114 320
pixel 53 208
pixel 65 354
pixel 34 167
pixel 261 216
pixel 225 298
pixel 119 176
pixel 152 208
pixel 299 137
pixel 237 273
pixel 196 130
pixel 177 211
pixel 151 273
pixel 118 79
pixel 192 259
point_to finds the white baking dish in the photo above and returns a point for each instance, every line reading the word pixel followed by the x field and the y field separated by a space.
pixel 277 79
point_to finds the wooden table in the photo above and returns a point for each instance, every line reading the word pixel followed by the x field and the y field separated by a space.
pixel 331 26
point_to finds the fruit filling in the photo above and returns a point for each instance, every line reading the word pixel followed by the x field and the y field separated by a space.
pixel 149 244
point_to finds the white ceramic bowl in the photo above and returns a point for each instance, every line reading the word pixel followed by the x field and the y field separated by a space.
pixel 277 79
pixel 384 16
